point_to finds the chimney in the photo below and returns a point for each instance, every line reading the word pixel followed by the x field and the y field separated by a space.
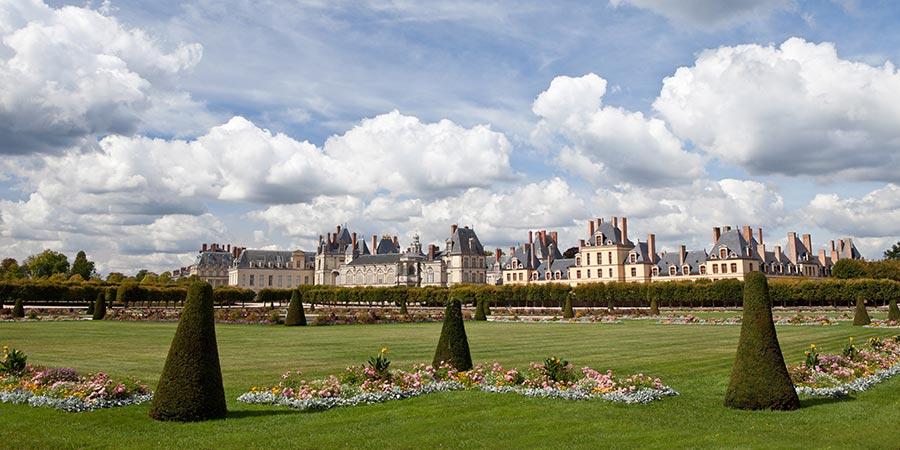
pixel 530 237
pixel 396 242
pixel 823 260
pixel 374 244
pixel 759 239
pixel 591 227
pixel 651 247
pixel 726 228
pixel 544 238
pixel 832 245
pixel 338 228
pixel 848 248
pixel 615 222
pixel 792 247
pixel 329 238
pixel 229 248
pixel 681 254
pixel 512 251
pixel 599 221
pixel 717 233
pixel 624 230
pixel 748 233
pixel 203 248
pixel 432 249
pixel 453 229
pixel 353 240
pixel 497 254
pixel 553 236
pixel 778 253
pixel 580 243
pixel 320 239
pixel 807 242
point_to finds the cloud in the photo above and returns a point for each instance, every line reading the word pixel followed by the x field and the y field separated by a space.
pixel 687 213
pixel 874 215
pixel 607 145
pixel 708 14
pixel 70 74
pixel 797 109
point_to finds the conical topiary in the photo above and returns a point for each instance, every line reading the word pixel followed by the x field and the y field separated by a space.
pixel 403 310
pixel 486 307
pixel 479 310
pixel 861 317
pixel 18 311
pixel 654 307
pixel 90 308
pixel 190 387
pixel 568 312
pixel 759 379
pixel 453 346
pixel 893 311
pixel 295 315
pixel 99 307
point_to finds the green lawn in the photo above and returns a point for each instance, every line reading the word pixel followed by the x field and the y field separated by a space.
pixel 694 359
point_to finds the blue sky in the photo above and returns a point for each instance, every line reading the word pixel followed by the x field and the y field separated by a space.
pixel 138 130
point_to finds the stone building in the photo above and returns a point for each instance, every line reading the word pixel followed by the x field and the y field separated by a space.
pixel 276 269
pixel 213 263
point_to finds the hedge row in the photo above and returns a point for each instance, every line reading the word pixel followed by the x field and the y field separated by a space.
pixel 697 294
pixel 127 294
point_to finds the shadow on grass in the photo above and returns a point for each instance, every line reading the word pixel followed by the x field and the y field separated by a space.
pixel 251 413
pixel 812 402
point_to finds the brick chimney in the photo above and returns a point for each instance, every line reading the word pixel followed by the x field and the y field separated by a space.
pixel 432 249
pixel 615 222
pixel 807 242
pixel 353 240
pixel 624 230
pixel 497 254
pixel 681 254
pixel 203 248
pixel 848 248
pixel 396 242
pixel 823 260
pixel 759 238
pixel 726 228
pixel 338 228
pixel 792 247
pixel 591 227
pixel 554 236
pixel 748 233
pixel 651 247
pixel 544 238
pixel 453 229
pixel 530 237
pixel 717 233
pixel 778 253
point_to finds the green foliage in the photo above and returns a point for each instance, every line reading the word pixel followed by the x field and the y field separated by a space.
pixel 190 388
pixel 295 314
pixel 453 346
pixel 861 316
pixel 380 364
pixel 559 370
pixel 81 266
pixel 115 277
pixel 849 268
pixel 11 270
pixel 129 294
pixel 759 378
pixel 568 312
pixel 654 306
pixel 13 361
pixel 403 309
pixel 893 311
pixel 479 310
pixel 99 311
pixel 47 263
pixel 893 253
pixel 18 311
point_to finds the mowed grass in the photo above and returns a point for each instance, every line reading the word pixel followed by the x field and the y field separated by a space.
pixel 694 359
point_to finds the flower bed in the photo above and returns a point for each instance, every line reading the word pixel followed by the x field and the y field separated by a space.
pixel 691 319
pixel 45 315
pixel 374 383
pixel 557 319
pixel 801 319
pixel 854 370
pixel 64 388
pixel 880 323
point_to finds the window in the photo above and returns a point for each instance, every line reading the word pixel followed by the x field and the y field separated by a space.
pixel 672 270
pixel 305 279
pixel 633 258
pixel 588 259
pixel 289 281
pixel 633 271
pixel 279 281
pixel 521 277
pixel 751 267
pixel 507 277
pixel 610 272
pixel 655 271
pixel 577 261
pixel 535 275
pixel 577 274
pixel 702 270
pixel 715 268
pixel 686 270
pixel 609 254
pixel 723 253
pixel 733 267
pixel 379 278
pixel 558 275
pixel 724 268
pixel 370 278
pixel 271 278
pixel 466 262
pixel 251 280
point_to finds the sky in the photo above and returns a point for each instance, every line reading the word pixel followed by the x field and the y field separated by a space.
pixel 136 131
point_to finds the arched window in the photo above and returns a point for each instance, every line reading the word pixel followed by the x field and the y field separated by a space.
pixel 534 276
pixel 723 253
pixel 633 258
pixel 702 270
pixel 673 270
pixel 655 271
pixel 558 275
pixel 429 275
pixel 686 270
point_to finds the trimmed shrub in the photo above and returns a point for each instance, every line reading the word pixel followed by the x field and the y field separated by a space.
pixel 861 316
pixel 893 311
pixel 190 388
pixel 759 378
pixel 99 307
pixel 295 315
pixel 568 312
pixel 479 310
pixel 453 346
pixel 18 311
pixel 654 307
pixel 90 308
pixel 403 310
pixel 110 296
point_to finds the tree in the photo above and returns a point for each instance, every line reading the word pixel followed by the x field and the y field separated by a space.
pixel 82 266
pixel 568 312
pixel 893 311
pixel 893 252
pixel 11 270
pixel 115 277
pixel 47 263
pixel 99 311
pixel 140 275
pixel 165 278
pixel 849 268
pixel 190 388
pixel 570 252
pixel 295 315
pixel 759 378
pixel 453 346
pixel 861 316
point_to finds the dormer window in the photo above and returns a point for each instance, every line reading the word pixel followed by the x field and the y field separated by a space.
pixel 534 276
pixel 633 258
pixel 558 275
pixel 702 270
pixel 655 271
pixel 685 270
pixel 723 253
pixel 673 270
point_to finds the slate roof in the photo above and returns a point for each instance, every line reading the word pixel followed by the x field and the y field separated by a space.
pixel 734 242
pixel 460 244
pixel 562 265
pixel 214 259
pixel 642 251
pixel 391 258
pixel 263 257
pixel 386 246
pixel 693 258
pixel 610 233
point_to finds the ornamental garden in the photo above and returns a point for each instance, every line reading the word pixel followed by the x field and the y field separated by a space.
pixel 517 372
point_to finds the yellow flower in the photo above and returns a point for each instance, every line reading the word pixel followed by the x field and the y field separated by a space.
pixel 5 349
pixel 383 350
pixel 812 346
pixel 851 338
